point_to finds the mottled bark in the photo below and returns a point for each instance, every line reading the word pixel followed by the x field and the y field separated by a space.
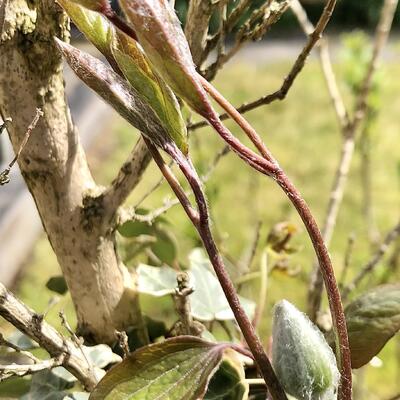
pixel 55 169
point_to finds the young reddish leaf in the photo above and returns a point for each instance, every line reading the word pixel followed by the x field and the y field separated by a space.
pixel 159 32
pixel 372 319
pixel 137 70
pixel 125 56
pixel 116 92
pixel 176 369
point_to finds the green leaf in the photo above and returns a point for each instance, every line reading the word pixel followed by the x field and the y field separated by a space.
pixel 57 284
pixel 101 355
pixel 116 92
pixel 97 29
pixel 166 246
pixel 372 319
pixel 208 301
pixel 301 357
pixel 176 369
pixel 136 68
pixel 22 341
pixel 229 381
pixel 95 5
pixel 160 33
pixel 47 386
pixel 156 281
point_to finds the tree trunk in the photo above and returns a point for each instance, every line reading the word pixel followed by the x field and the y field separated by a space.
pixel 55 169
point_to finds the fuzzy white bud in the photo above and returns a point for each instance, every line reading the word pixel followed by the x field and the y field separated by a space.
pixel 301 357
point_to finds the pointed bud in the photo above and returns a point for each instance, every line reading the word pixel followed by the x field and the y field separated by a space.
pixel 159 32
pixel 136 68
pixel 116 92
pixel 301 357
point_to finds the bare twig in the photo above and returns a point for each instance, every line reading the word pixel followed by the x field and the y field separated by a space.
pixel 371 265
pixel 252 30
pixel 196 29
pixel 347 258
pixel 262 298
pixel 4 175
pixel 24 319
pixel 8 371
pixel 186 324
pixel 123 343
pixel 130 214
pixel 246 262
pixel 396 397
pixel 349 133
pixel 281 93
pixel 6 343
pixel 326 63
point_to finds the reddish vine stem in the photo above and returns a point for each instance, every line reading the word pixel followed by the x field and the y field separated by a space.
pixel 202 225
pixel 238 118
pixel 335 302
pixel 325 263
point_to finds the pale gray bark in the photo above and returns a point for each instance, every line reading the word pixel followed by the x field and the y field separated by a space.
pixel 55 169
pixel 64 350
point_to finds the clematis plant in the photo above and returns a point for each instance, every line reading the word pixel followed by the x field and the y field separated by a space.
pixel 151 64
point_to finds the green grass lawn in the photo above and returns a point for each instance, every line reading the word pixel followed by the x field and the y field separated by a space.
pixel 303 135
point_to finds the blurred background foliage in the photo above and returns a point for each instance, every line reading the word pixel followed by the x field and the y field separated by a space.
pixel 349 13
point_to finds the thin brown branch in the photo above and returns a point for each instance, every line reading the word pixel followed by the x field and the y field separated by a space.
pixel 123 343
pixel 395 397
pixel 196 28
pixel 347 258
pixel 350 131
pixel 369 267
pixel 262 298
pixel 4 175
pixel 326 64
pixel 33 325
pixel 130 214
pixel 298 66
pixel 253 29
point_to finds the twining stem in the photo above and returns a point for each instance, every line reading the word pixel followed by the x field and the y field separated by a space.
pixel 201 222
pixel 328 274
pixel 325 264
pixel 238 118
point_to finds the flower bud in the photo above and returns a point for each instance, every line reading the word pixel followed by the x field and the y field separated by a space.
pixel 301 357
